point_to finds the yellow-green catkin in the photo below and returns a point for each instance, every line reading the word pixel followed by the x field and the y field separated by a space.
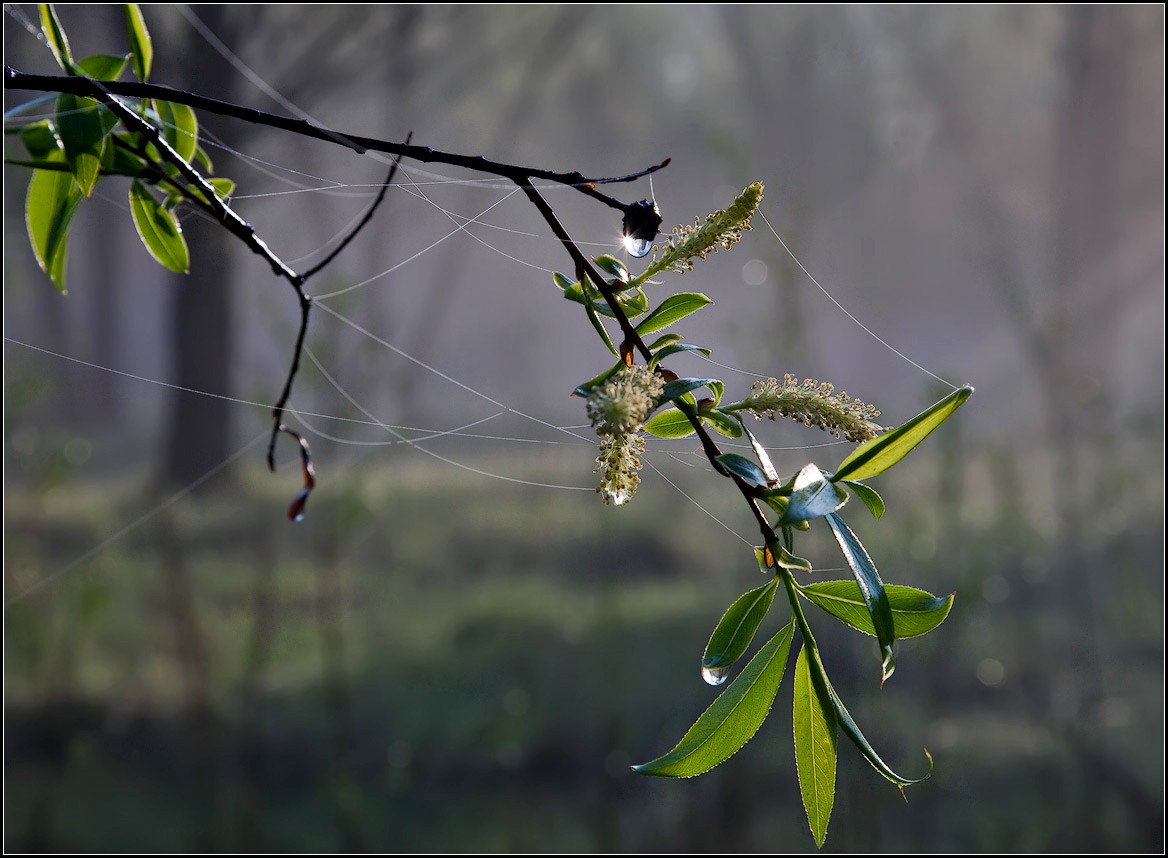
pixel 814 404
pixel 618 409
pixel 720 230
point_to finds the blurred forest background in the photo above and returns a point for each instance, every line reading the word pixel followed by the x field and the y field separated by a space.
pixel 440 660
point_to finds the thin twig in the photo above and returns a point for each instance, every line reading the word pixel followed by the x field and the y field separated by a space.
pixel 364 220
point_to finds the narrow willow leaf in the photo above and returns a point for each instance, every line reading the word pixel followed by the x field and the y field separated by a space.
pixel 587 387
pixel 765 561
pixel 678 387
pixel 722 423
pixel 673 349
pixel 914 612
pixel 852 731
pixel 611 265
pixel 672 309
pixel 789 561
pixel 742 467
pixel 203 161
pixel 158 229
pixel 52 200
pixel 717 388
pixel 761 453
pixel 663 341
pixel 669 424
pixel 882 452
pixel 180 128
pixel 872 588
pixel 814 721
pixel 55 37
pixel 562 281
pixel 812 496
pixel 82 129
pixel 868 495
pixel 599 326
pixel 103 66
pixel 41 140
pixel 736 629
pixel 140 43
pixel 732 719
pixel 223 187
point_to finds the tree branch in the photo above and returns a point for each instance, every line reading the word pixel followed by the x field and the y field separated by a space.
pixel 14 79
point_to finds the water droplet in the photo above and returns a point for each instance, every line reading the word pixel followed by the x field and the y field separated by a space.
pixel 641 223
pixel 715 675
pixel 638 247
pixel 299 517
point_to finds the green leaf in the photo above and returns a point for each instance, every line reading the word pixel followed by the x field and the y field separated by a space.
pixel 872 589
pixel 663 341
pixel 103 66
pixel 223 187
pixel 672 309
pixel 812 496
pixel 789 561
pixel 180 128
pixel 722 423
pixel 158 229
pixel 611 265
pixel 732 719
pixel 140 44
pixel 83 124
pixel 882 452
pixel 914 612
pixel 670 423
pixel 742 467
pixel 852 731
pixel 868 495
pixel 736 629
pixel 769 469
pixel 55 38
pixel 666 351
pixel 761 556
pixel 203 161
pixel 599 327
pixel 814 720
pixel 41 140
pixel 681 386
pixel 51 202
pixel 587 387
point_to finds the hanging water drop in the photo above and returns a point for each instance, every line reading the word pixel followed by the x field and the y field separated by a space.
pixel 715 675
pixel 638 247
pixel 641 222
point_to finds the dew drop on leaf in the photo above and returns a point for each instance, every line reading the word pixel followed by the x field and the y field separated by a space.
pixel 715 675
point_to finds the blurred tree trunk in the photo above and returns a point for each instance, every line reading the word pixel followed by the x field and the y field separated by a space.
pixel 199 433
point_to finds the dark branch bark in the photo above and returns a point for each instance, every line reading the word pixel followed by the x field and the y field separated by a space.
pixel 14 79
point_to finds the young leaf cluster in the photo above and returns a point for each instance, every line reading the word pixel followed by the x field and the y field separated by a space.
pixel 88 139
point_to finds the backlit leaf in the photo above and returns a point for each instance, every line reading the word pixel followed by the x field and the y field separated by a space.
pixel 735 631
pixel 914 612
pixel 882 452
pixel 732 719
pixel 814 720
pixel 158 229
